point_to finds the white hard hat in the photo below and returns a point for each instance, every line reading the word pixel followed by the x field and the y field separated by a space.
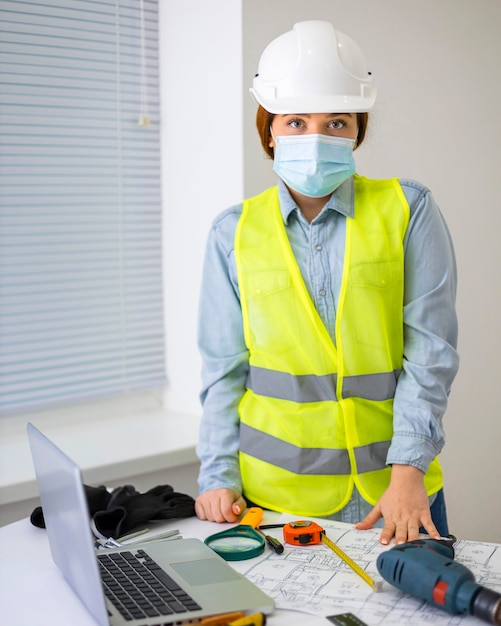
pixel 313 69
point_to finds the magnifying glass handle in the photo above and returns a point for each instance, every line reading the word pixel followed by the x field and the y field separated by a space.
pixel 253 517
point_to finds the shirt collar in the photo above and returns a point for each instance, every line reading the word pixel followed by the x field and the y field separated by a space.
pixel 341 200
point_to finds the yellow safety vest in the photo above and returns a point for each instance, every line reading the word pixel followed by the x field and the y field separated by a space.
pixel 317 418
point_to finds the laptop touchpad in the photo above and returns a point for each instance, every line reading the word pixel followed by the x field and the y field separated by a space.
pixel 205 572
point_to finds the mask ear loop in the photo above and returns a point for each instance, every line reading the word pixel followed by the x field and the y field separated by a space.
pixel 275 140
pixel 355 145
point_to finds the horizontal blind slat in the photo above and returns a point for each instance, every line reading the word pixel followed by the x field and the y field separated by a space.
pixel 81 305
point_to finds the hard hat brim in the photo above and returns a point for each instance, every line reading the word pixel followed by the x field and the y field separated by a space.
pixel 317 104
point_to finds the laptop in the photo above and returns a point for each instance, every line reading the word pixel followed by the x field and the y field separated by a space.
pixel 201 582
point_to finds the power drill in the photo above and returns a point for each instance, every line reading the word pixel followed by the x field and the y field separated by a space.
pixel 425 568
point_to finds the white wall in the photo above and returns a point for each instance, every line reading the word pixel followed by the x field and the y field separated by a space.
pixel 436 120
pixel 202 144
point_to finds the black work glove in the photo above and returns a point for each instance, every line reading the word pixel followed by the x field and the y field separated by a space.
pixel 124 509
pixel 128 509
pixel 97 500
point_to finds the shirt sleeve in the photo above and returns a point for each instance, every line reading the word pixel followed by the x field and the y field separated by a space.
pixel 224 359
pixel 430 334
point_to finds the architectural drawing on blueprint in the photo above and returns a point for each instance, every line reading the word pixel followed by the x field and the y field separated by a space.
pixel 313 579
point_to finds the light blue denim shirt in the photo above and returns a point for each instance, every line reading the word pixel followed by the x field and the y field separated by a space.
pixel 430 357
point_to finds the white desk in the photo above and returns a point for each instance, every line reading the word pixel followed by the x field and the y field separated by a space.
pixel 32 591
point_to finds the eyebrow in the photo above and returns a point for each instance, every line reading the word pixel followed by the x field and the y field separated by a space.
pixel 309 114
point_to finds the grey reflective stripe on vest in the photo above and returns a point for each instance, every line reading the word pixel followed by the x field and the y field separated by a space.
pixel 311 388
pixel 371 457
pixel 320 461
pixel 289 457
pixel 377 387
pixel 306 388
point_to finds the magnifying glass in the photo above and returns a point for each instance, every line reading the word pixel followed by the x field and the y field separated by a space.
pixel 241 542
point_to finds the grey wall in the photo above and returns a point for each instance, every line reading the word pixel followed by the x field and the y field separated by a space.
pixel 436 63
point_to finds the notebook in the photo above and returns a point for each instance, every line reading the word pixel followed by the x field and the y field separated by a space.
pixel 200 581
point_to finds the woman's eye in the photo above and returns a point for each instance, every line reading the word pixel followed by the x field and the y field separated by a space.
pixel 337 124
pixel 295 123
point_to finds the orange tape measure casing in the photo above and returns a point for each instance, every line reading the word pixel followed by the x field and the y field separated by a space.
pixel 303 533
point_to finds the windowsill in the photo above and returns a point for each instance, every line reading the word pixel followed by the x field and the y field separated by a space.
pixel 107 445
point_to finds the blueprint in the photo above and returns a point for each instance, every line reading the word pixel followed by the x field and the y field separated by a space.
pixel 314 580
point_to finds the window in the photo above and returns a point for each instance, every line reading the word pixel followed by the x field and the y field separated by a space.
pixel 80 208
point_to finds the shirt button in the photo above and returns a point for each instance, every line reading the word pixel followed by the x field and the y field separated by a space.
pixel 322 292
pixel 319 247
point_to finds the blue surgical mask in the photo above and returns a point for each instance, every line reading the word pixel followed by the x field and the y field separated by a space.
pixel 314 165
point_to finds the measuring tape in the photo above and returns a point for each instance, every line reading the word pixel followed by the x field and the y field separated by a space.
pixel 305 533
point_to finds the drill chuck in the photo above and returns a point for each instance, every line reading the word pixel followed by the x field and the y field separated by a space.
pixel 425 569
pixel 487 606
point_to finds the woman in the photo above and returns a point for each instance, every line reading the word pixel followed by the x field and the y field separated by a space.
pixel 327 317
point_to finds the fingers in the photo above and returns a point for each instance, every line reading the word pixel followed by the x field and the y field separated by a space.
pixel 200 509
pixel 400 523
pixel 406 530
pixel 431 529
pixel 219 505
pixel 370 520
pixel 239 506
pixel 401 531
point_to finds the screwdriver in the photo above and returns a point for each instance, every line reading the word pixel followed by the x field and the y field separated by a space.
pixel 274 544
pixel 252 518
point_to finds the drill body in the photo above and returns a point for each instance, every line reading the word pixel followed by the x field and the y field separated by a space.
pixel 425 569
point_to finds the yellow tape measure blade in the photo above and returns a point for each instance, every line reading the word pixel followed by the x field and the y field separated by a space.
pixel 375 584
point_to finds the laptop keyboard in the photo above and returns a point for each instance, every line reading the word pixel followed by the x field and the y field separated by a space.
pixel 138 587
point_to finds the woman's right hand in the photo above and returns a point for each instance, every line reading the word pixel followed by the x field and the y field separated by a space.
pixel 220 505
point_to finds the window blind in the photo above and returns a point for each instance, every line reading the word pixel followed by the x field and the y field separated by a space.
pixel 80 209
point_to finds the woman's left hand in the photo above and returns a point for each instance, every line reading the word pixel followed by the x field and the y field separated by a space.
pixel 404 506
